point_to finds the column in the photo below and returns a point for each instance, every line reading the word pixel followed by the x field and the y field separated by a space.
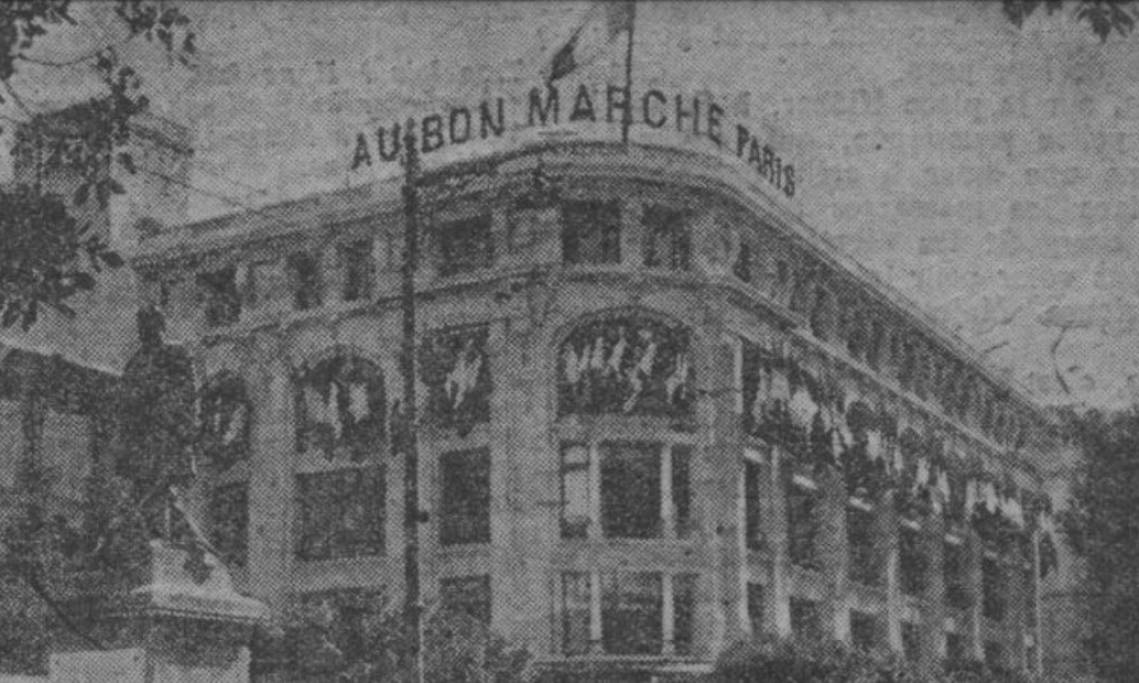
pixel 774 507
pixel 831 550
pixel 595 530
pixel 668 527
pixel 668 633
pixel 933 612
pixel 595 645
pixel 974 554
pixel 887 538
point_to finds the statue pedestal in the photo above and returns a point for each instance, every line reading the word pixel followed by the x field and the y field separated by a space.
pixel 185 625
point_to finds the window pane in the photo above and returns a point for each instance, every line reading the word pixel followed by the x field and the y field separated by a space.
pixel 911 562
pixel 755 607
pixel 465 504
pixel 993 589
pixel 668 242
pixel 223 305
pixel 805 621
pixel 802 527
pixel 683 612
pixel 591 232
pixel 753 531
pixel 305 271
pixel 866 631
pixel 575 613
pixel 955 647
pixel 342 513
pixel 466 245
pixel 229 522
pixel 865 566
pixel 630 490
pixel 682 489
pixel 911 641
pixel 953 560
pixel 631 613
pixel 469 595
pixel 359 268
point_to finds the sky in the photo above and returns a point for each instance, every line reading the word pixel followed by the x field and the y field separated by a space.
pixel 986 172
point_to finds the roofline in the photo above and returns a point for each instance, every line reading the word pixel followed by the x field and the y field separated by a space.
pixel 383 196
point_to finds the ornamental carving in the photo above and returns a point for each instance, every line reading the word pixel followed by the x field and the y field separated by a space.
pixel 453 366
pixel 223 415
pixel 340 406
pixel 626 365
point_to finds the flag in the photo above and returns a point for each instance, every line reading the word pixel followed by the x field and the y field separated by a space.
pixel 600 25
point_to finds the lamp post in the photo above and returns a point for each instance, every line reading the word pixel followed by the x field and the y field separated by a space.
pixel 409 440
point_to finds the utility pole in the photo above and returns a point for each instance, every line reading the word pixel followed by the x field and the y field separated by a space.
pixel 409 442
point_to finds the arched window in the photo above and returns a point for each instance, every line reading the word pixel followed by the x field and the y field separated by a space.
pixel 341 407
pixel 627 365
pixel 223 421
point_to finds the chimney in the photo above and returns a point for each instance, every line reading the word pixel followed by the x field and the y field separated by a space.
pixel 156 194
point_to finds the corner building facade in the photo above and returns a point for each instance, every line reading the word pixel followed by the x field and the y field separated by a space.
pixel 658 415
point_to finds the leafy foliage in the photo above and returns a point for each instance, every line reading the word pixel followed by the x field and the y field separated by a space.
pixel 1102 16
pixel 360 638
pixel 1101 526
pixel 50 255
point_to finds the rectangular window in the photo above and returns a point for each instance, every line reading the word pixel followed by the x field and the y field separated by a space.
pixel 866 631
pixel 466 245
pixel 359 270
pixel 683 612
pixel 631 613
pixel 911 641
pixel 630 490
pixel 911 561
pixel 953 562
pixel 681 490
pixel 304 272
pixel 464 504
pixel 591 232
pixel 805 620
pixel 955 647
pixel 267 284
pixel 342 513
pixel 862 546
pixel 575 613
pixel 229 522
pixel 994 656
pixel 469 595
pixel 802 527
pixel 575 491
pixel 753 527
pixel 742 268
pixel 755 607
pixel 993 589
pixel 668 242
pixel 222 302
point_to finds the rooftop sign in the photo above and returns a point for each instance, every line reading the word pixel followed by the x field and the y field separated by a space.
pixel 550 107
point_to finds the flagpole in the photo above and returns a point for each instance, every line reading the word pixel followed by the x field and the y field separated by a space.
pixel 627 119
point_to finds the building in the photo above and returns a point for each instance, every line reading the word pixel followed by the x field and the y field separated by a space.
pixel 659 414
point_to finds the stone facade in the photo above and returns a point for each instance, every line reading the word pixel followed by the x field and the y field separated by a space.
pixel 658 414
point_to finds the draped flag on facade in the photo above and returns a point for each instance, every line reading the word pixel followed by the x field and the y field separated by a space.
pixel 602 23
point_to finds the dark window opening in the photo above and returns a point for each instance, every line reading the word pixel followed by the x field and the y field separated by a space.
pixel 955 647
pixel 342 513
pixel 465 504
pixel 631 613
pixel 467 595
pixel 669 243
pixel 223 304
pixel 359 270
pixel 466 244
pixel 866 631
pixel 575 613
pixel 755 607
pixel 993 589
pixel 753 516
pixel 591 232
pixel 821 314
pixel 630 490
pixel 229 522
pixel 911 561
pixel 911 641
pixel 994 656
pixel 304 271
pixel 874 345
pixel 682 490
pixel 742 268
pixel 862 543
pixel 683 612
pixel 953 560
pixel 806 623
pixel 802 527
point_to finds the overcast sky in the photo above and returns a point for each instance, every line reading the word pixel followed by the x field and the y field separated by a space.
pixel 987 173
